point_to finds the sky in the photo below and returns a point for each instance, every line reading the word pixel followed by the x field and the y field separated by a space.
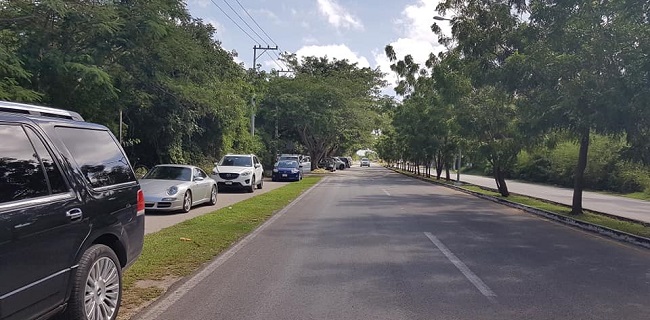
pixel 357 30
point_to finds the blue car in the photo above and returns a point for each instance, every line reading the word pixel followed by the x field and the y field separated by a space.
pixel 287 170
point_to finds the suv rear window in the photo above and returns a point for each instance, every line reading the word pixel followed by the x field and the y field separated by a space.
pixel 96 152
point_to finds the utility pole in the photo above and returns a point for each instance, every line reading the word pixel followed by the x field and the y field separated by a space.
pixel 255 56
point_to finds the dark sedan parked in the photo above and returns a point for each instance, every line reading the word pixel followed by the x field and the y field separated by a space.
pixel 287 170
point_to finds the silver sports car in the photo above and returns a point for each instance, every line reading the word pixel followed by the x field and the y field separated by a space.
pixel 172 187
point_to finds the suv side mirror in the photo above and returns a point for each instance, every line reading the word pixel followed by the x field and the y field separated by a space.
pixel 216 163
pixel 198 179
pixel 257 165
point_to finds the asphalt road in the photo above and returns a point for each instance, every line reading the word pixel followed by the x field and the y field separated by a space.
pixel 155 221
pixel 372 244
pixel 615 205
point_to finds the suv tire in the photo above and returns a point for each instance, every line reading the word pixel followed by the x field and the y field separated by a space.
pixel 100 274
pixel 261 184
pixel 251 188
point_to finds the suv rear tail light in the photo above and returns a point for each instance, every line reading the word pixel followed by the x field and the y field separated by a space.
pixel 140 202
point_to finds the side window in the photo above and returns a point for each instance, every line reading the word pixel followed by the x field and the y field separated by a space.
pixel 21 174
pixel 54 176
pixel 255 160
pixel 199 173
pixel 96 152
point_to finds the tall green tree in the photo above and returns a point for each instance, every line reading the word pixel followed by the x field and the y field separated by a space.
pixel 183 97
pixel 573 75
pixel 329 104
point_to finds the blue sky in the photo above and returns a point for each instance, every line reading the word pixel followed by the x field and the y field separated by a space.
pixel 357 30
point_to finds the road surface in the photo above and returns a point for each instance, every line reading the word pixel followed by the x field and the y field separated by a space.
pixel 155 221
pixel 615 205
pixel 368 243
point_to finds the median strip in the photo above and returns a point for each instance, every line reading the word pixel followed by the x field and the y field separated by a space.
pixel 175 252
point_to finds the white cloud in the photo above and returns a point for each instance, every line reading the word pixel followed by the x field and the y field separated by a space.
pixel 338 16
pixel 416 38
pixel 217 25
pixel 338 51
pixel 200 3
pixel 309 40
pixel 268 14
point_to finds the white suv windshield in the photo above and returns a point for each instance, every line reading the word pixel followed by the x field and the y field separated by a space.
pixel 235 161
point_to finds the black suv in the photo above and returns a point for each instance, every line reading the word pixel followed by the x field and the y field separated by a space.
pixel 71 215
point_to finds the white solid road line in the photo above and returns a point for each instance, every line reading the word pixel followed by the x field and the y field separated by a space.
pixel 173 297
pixel 386 192
pixel 473 278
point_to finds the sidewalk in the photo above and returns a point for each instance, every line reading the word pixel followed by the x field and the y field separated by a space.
pixel 614 205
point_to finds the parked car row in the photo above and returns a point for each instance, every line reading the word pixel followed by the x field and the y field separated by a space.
pixel 69 196
pixel 335 163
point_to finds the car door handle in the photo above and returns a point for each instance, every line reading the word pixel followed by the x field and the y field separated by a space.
pixel 74 214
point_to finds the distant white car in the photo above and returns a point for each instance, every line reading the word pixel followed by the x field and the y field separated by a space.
pixel 170 187
pixel 239 171
pixel 365 162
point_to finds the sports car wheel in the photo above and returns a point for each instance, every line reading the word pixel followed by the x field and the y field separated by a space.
pixel 187 202
pixel 213 196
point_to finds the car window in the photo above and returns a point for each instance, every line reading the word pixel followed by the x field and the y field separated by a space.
pixel 236 161
pixel 21 174
pixel 96 152
pixel 199 173
pixel 169 173
pixel 54 175
pixel 288 164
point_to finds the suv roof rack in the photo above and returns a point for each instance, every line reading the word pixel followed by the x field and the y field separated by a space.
pixel 22 108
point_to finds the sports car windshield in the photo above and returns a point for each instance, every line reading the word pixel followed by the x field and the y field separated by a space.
pixel 288 164
pixel 169 173
pixel 232 161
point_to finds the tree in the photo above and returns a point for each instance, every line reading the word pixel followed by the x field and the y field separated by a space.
pixel 183 97
pixel 573 74
pixel 330 105
pixel 489 119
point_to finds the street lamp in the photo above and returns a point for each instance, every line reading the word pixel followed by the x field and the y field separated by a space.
pixel 439 18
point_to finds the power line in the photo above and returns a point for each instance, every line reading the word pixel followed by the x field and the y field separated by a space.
pixel 280 59
pixel 275 60
pixel 233 21
pixel 246 23
pixel 257 24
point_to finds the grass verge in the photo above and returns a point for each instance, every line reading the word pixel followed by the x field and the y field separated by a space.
pixel 637 229
pixel 179 250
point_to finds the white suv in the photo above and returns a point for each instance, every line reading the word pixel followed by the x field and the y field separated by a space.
pixel 239 171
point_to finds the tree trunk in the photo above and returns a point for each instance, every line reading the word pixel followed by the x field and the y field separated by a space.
pixel 439 165
pixel 501 181
pixel 579 176
pixel 447 175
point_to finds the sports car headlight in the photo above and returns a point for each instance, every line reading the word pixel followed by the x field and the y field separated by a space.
pixel 295 170
pixel 172 190
pixel 246 173
pixel 275 170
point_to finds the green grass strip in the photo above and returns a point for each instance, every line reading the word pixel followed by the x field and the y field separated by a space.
pixel 637 229
pixel 179 250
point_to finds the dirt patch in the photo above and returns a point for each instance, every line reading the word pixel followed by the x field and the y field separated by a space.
pixel 142 294
pixel 164 283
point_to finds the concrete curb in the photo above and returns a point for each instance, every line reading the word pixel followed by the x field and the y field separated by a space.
pixel 593 228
